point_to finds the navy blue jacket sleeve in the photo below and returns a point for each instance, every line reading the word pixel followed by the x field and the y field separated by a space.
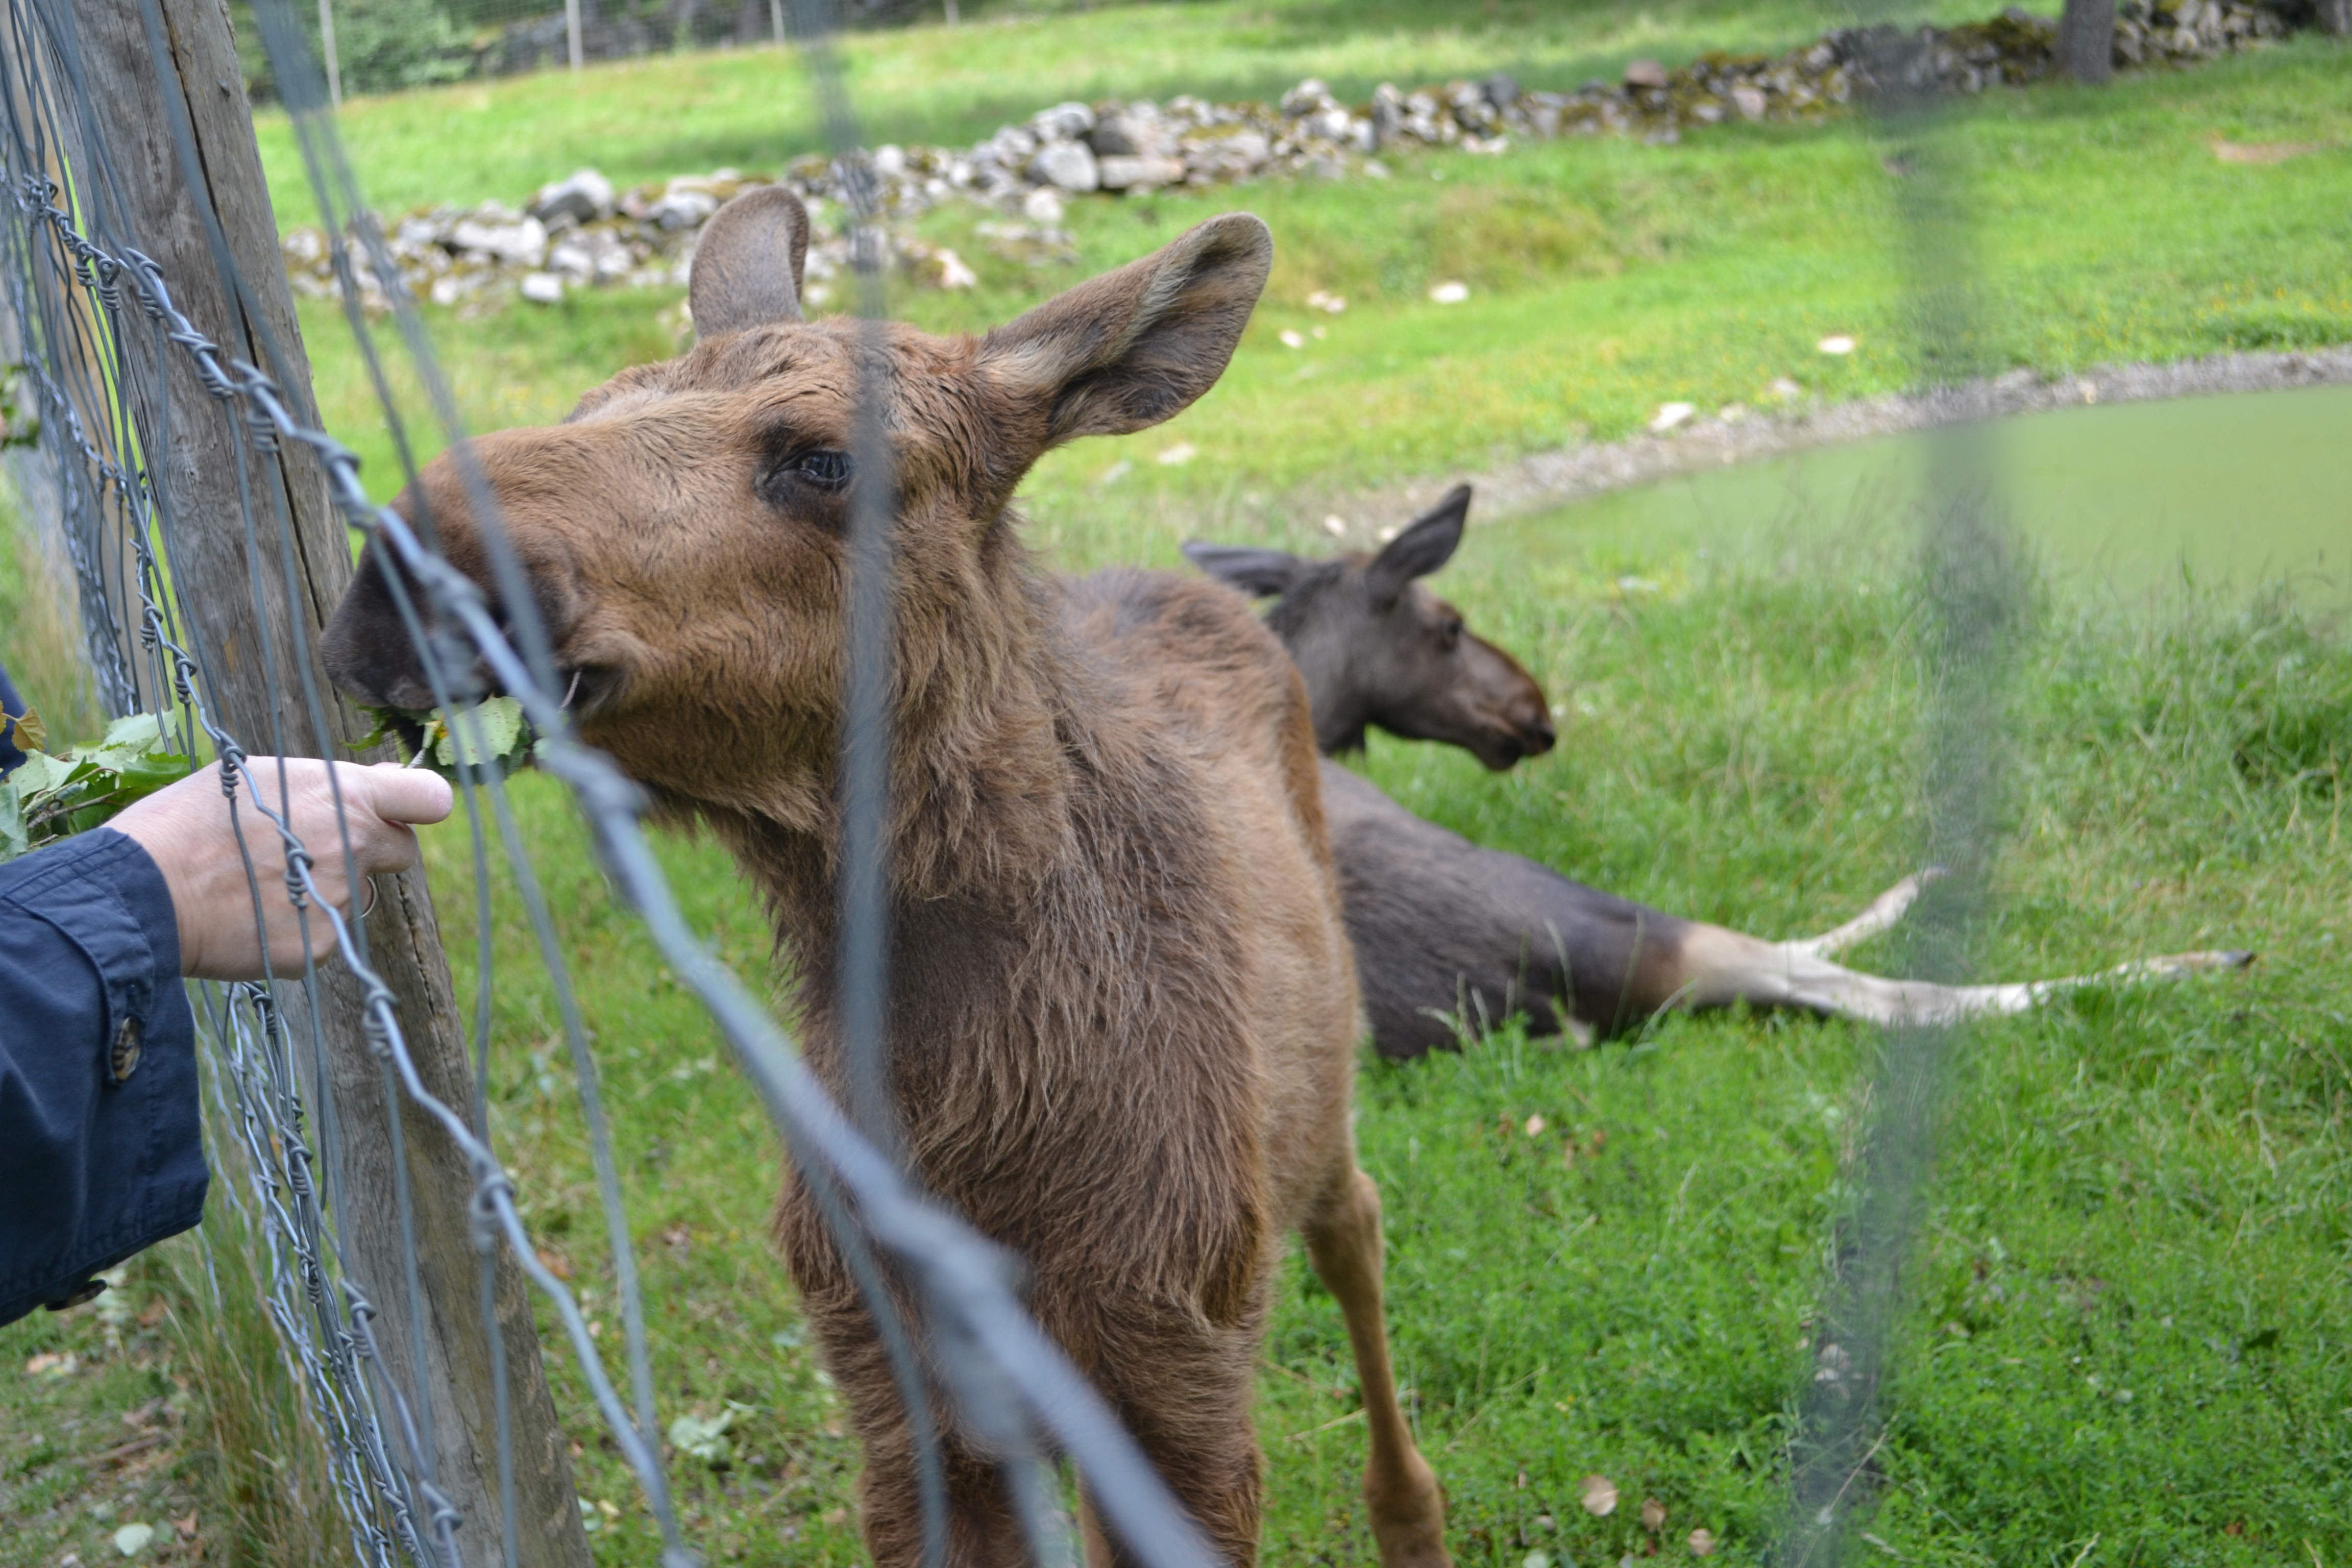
pixel 101 1152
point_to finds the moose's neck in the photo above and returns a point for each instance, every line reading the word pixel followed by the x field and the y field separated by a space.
pixel 988 750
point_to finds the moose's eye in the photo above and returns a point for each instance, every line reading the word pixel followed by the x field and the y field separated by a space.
pixel 1449 636
pixel 824 468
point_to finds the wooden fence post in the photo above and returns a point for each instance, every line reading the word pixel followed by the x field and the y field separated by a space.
pixel 234 613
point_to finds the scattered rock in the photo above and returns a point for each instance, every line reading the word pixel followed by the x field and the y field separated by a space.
pixel 1451 293
pixel 510 238
pixel 1670 415
pixel 543 287
pixel 1120 172
pixel 585 197
pixel 578 231
pixel 1065 165
pixel 1063 121
pixel 680 209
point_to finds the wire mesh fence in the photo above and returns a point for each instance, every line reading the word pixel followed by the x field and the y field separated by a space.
pixel 200 503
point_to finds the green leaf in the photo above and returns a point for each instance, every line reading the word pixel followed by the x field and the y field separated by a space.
pixel 496 725
pixel 137 733
pixel 150 772
pixel 39 773
pixel 14 840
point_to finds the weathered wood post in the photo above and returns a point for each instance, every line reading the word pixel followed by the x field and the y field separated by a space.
pixel 156 66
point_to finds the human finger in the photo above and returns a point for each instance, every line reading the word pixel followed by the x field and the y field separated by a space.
pixel 399 794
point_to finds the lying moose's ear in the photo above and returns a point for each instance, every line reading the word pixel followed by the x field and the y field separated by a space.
pixel 1134 346
pixel 741 277
pixel 1258 573
pixel 1420 548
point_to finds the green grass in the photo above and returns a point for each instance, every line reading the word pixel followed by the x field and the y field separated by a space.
pixel 2141 1191
pixel 1608 277
pixel 651 119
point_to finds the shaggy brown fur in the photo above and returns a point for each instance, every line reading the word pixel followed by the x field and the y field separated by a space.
pixel 1450 937
pixel 1123 1014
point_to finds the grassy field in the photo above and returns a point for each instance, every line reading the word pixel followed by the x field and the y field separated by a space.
pixel 2127 1317
pixel 1607 277
pixel 650 118
pixel 2127 1338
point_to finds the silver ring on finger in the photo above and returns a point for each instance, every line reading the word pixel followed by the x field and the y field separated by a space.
pixel 368 907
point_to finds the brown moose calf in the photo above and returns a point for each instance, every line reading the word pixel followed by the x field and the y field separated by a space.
pixel 1123 1010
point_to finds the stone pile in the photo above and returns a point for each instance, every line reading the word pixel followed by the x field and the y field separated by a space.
pixel 581 233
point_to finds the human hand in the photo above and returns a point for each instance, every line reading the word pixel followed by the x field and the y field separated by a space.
pixel 186 828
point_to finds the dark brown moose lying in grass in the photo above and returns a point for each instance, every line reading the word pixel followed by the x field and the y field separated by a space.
pixel 1123 1006
pixel 1447 933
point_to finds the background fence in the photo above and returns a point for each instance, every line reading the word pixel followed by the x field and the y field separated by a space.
pixel 203 509
pixel 387 45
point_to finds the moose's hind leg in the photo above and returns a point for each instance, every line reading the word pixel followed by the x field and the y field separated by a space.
pixel 1401 1491
pixel 1882 915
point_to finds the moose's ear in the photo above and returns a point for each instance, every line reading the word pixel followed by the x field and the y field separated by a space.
pixel 748 261
pixel 1134 346
pixel 1258 573
pixel 1428 544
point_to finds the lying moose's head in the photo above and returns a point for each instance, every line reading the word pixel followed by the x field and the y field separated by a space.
pixel 1377 647
pixel 684 531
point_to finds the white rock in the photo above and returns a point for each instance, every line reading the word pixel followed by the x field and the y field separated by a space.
pixel 1067 165
pixel 1450 293
pixel 954 272
pixel 1181 452
pixel 889 161
pixel 1118 171
pixel 1307 97
pixel 1063 121
pixel 1785 389
pixel 1837 343
pixel 682 209
pixel 132 1539
pixel 543 287
pixel 1292 338
pixel 1043 205
pixel 519 242
pixel 1323 300
pixel 1749 100
pixel 1336 526
pixel 1671 415
pixel 586 195
pixel 572 259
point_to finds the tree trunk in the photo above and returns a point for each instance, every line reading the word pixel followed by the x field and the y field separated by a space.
pixel 2333 16
pixel 234 610
pixel 2086 40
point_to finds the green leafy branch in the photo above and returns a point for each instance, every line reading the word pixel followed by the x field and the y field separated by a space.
pixel 446 742
pixel 49 797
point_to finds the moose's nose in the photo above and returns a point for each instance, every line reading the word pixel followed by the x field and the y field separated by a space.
pixel 1536 735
